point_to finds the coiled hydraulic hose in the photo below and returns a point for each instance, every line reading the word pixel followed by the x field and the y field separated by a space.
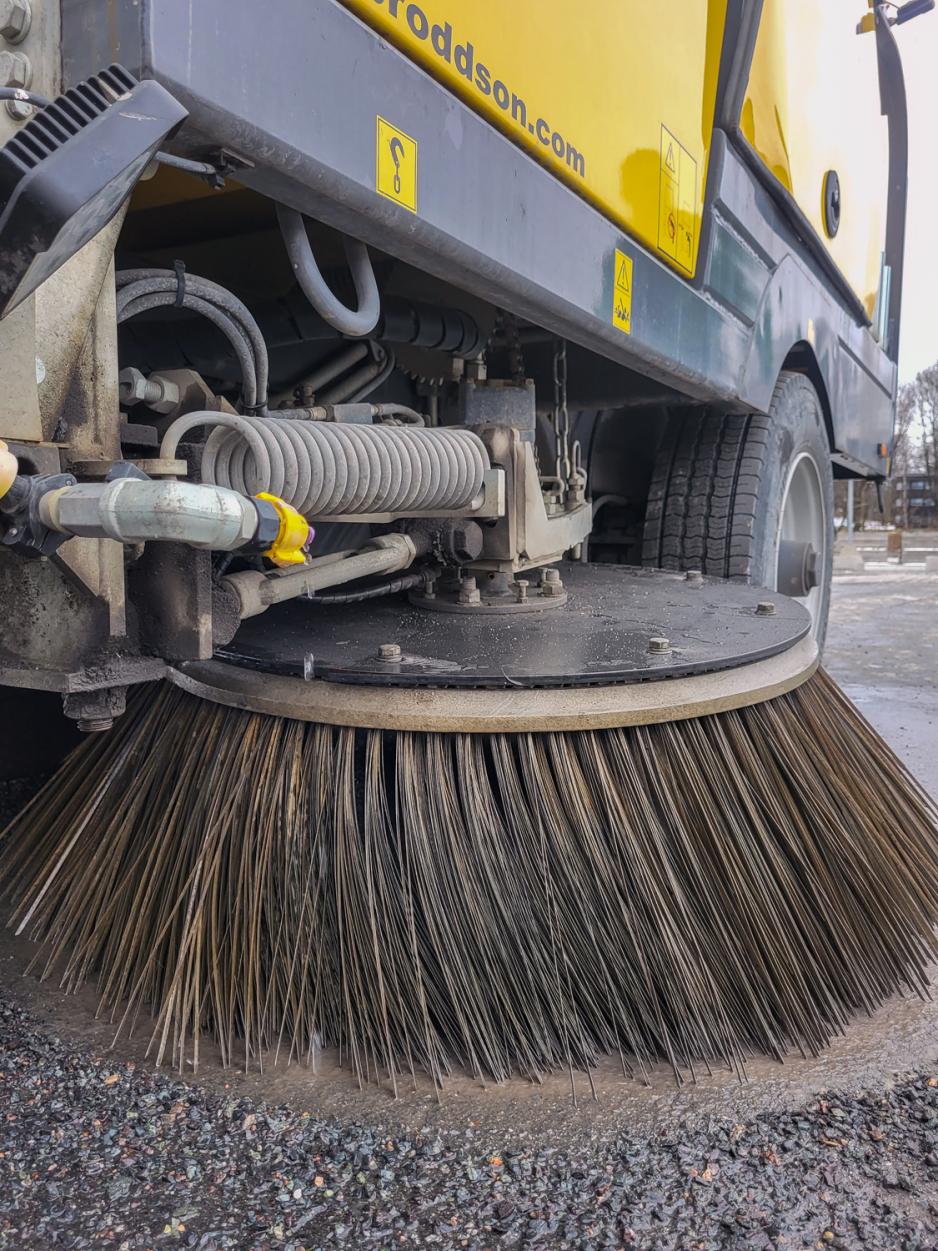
pixel 331 469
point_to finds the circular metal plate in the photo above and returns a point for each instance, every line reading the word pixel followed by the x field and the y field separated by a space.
pixel 515 711
pixel 599 637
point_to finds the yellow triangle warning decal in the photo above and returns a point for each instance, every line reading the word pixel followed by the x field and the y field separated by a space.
pixel 622 277
pixel 669 159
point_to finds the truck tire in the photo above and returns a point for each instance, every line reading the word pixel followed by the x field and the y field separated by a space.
pixel 728 488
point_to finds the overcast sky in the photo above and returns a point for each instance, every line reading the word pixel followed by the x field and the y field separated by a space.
pixel 918 343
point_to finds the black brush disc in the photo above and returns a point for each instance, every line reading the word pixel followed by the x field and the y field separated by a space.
pixel 602 635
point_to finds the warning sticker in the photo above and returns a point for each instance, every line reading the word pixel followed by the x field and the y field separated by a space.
pixel 622 293
pixel 677 202
pixel 396 165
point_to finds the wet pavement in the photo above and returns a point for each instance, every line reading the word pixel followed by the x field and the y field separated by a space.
pixel 883 650
pixel 98 1150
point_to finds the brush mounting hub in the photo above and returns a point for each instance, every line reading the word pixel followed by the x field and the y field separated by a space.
pixel 600 636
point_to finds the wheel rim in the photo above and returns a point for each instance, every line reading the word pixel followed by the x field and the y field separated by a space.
pixel 804 520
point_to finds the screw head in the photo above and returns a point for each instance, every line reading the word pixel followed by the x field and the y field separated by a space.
pixel 469 591
pixel 15 20
pixel 389 651
pixel 520 586
pixel 15 69
pixel 765 608
pixel 658 646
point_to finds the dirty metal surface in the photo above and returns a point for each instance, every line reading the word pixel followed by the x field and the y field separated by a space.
pixel 601 636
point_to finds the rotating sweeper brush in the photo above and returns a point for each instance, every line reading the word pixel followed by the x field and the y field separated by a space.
pixel 641 823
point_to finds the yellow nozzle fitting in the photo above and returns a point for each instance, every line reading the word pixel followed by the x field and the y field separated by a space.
pixel 292 537
pixel 9 468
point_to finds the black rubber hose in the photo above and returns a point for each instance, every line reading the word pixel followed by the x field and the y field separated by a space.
pixel 135 283
pixel 240 344
pixel 403 583
pixel 355 323
pixel 27 97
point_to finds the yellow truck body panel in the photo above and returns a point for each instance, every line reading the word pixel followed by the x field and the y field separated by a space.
pixel 812 105
pixel 616 99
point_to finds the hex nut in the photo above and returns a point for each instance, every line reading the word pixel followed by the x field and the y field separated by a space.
pixel 693 575
pixel 389 651
pixel 15 20
pixel 469 592
pixel 15 69
pixel 520 587
pixel 132 386
pixel 658 646
pixel 163 395
pixel 551 585
pixel 765 608
pixel 94 711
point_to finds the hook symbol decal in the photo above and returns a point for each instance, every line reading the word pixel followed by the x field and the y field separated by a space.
pixel 397 153
pixel 395 164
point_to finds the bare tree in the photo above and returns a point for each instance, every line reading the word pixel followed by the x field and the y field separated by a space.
pixel 915 442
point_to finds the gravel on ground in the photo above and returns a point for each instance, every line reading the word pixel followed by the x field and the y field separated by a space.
pixel 98 1152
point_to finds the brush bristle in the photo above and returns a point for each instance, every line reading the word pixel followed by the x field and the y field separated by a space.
pixel 507 904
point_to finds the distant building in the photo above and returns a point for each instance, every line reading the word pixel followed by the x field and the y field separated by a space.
pixel 916 500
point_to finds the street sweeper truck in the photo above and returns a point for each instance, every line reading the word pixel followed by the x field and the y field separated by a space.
pixel 419 426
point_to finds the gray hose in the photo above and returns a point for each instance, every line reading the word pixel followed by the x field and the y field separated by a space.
pixel 245 428
pixel 334 469
pixel 355 323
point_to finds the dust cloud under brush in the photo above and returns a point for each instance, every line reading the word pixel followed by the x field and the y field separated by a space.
pixel 506 904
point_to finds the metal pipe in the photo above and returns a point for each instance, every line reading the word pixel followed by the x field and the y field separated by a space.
pixel 202 169
pixel 334 368
pixel 362 382
pixel 256 592
pixel 134 511
pixel 353 322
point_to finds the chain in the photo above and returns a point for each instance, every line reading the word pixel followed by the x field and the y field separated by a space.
pixel 560 417
pixel 509 328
